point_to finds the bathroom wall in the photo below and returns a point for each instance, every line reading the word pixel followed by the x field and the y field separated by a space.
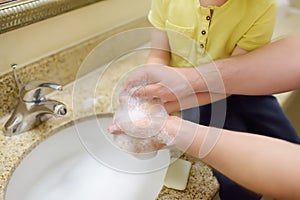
pixel 287 24
pixel 54 49
pixel 38 40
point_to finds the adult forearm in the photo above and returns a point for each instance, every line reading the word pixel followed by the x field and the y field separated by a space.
pixel 265 165
pixel 271 69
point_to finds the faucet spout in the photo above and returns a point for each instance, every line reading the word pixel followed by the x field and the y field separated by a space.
pixel 41 84
pixel 52 107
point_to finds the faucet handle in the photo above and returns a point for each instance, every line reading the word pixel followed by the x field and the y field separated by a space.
pixel 37 87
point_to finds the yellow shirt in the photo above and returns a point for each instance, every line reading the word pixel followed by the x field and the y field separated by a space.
pixel 197 34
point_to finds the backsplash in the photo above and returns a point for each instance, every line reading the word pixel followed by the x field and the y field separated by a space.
pixel 60 67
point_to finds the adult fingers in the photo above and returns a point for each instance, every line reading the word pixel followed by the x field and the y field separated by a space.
pixel 154 91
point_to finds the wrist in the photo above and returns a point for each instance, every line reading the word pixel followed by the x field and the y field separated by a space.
pixel 196 77
pixel 184 134
pixel 172 126
pixel 209 77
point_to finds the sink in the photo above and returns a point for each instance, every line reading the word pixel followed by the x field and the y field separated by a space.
pixel 81 162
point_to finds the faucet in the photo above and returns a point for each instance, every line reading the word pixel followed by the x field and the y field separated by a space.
pixel 33 107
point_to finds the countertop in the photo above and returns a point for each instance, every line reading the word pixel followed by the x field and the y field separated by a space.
pixel 91 95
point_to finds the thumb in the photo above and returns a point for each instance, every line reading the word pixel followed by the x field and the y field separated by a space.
pixel 114 129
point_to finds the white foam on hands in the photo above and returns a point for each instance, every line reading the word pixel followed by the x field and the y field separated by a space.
pixel 142 121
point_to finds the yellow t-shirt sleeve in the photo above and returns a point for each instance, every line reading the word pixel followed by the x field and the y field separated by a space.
pixel 261 32
pixel 157 13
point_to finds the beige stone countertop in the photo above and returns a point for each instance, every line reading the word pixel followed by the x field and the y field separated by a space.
pixel 90 96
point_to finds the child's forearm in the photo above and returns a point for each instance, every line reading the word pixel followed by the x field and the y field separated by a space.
pixel 160 50
pixel 158 57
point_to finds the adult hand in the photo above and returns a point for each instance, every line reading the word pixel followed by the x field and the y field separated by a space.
pixel 132 143
pixel 166 83
pixel 140 125
pixel 178 88
pixel 187 136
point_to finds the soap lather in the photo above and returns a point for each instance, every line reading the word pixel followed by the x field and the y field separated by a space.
pixel 143 133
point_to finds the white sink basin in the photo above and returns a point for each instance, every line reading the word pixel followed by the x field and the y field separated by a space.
pixel 80 163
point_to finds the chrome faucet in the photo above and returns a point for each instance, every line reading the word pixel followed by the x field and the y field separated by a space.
pixel 33 107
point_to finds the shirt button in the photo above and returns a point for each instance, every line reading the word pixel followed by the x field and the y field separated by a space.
pixel 201 46
pixel 203 32
pixel 207 18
